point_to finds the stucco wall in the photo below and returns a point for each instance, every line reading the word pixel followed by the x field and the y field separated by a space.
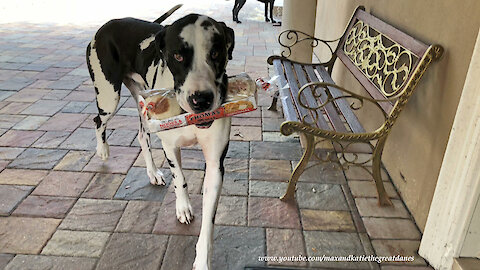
pixel 290 20
pixel 415 148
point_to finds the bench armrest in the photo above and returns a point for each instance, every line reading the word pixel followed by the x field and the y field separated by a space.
pixel 331 98
pixel 279 57
pixel 328 93
pixel 289 38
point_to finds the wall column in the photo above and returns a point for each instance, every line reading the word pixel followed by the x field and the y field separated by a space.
pixel 458 186
pixel 300 15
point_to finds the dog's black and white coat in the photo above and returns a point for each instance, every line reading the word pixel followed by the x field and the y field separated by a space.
pixel 190 56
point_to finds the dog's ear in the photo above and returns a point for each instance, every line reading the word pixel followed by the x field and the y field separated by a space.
pixel 160 41
pixel 230 39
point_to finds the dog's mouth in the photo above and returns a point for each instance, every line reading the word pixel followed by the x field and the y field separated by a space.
pixel 204 125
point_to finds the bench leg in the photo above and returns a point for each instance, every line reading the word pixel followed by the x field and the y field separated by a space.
pixel 383 199
pixel 273 106
pixel 292 183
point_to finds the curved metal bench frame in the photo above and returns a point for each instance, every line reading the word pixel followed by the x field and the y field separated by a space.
pixel 388 64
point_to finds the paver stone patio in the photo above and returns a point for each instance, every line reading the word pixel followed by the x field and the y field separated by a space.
pixel 62 207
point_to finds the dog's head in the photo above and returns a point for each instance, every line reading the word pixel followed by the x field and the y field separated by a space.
pixel 196 49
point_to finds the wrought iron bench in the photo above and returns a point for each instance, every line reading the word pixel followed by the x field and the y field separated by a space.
pixel 386 62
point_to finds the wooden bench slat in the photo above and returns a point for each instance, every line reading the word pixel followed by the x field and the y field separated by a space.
pixel 310 99
pixel 331 111
pixel 289 111
pixel 294 89
pixel 334 117
pixel 342 104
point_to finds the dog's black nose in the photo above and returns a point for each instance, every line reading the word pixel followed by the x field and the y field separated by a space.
pixel 201 101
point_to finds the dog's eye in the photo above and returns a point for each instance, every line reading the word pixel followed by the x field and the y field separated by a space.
pixel 214 54
pixel 178 57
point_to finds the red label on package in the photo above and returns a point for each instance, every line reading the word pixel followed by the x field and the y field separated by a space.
pixel 226 110
pixel 200 118
pixel 174 123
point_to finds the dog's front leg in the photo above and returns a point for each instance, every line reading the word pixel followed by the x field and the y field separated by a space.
pixel 212 187
pixel 182 204
pixel 215 152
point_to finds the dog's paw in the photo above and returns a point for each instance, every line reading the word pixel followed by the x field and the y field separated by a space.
pixel 267 20
pixel 103 151
pixel 156 177
pixel 184 211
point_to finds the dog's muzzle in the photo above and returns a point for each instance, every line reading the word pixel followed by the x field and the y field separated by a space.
pixel 201 101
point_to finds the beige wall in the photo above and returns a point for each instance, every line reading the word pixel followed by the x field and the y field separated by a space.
pixel 415 148
pixel 291 20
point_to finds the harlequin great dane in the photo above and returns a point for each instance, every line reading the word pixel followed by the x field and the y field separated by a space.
pixel 190 56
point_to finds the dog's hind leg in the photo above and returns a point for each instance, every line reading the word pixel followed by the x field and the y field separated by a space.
pixel 135 83
pixel 154 174
pixel 107 94
pixel 271 3
pixel 266 11
pixel 236 9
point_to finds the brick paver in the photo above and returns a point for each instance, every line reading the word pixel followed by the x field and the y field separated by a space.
pixel 19 138
pixel 284 242
pixel 69 184
pixel 51 139
pixel 62 207
pixel 136 186
pixel 11 196
pixel 271 212
pixel 94 215
pixel 36 158
pixel 180 246
pixel 139 217
pixel 318 220
pixel 51 262
pixel 320 243
pixel 404 247
pixel 7 153
pixel 44 206
pixel 271 170
pixel 232 211
pixel 76 243
pixel 236 247
pixel 129 251
pixel 22 177
pixel 25 235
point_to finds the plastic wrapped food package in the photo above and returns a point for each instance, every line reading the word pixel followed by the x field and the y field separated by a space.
pixel 160 104
pixel 162 112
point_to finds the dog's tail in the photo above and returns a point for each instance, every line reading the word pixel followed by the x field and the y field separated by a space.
pixel 168 13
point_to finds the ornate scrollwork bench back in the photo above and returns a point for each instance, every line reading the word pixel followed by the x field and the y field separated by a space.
pixel 388 64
